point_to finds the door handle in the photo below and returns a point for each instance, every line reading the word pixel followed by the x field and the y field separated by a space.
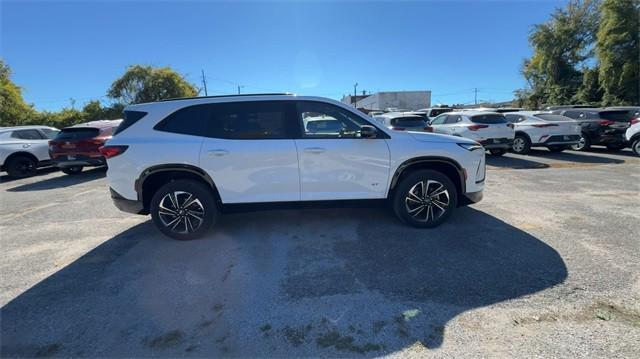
pixel 26 145
pixel 314 150
pixel 218 152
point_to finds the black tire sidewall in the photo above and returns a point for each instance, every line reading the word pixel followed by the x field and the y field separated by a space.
pixel 14 172
pixel 527 145
pixel 635 146
pixel 199 190
pixel 405 185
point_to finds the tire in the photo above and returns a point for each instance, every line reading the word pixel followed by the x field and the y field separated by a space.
pixel 635 146
pixel 556 149
pixel 498 152
pixel 183 223
pixel 584 145
pixel 615 146
pixel 22 166
pixel 521 145
pixel 406 205
pixel 73 170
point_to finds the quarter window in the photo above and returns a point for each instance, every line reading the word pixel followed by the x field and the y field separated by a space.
pixel 190 120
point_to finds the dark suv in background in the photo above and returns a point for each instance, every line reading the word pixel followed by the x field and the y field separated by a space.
pixel 78 146
pixel 600 126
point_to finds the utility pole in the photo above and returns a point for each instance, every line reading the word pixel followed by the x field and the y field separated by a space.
pixel 475 91
pixel 239 87
pixel 355 95
pixel 204 83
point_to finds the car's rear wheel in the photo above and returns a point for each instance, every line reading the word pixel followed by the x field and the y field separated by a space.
pixel 635 146
pixel 425 199
pixel 583 145
pixel 73 170
pixel 183 209
pixel 22 166
pixel 521 145
pixel 556 149
pixel 498 152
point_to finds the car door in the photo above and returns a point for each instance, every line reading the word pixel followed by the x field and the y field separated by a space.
pixel 334 161
pixel 34 142
pixel 250 152
pixel 438 124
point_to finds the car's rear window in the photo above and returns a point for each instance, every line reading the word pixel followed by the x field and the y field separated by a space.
pixel 489 119
pixel 439 111
pixel 408 122
pixel 130 117
pixel 618 116
pixel 551 117
pixel 77 133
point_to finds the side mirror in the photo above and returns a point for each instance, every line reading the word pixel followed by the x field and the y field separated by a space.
pixel 367 131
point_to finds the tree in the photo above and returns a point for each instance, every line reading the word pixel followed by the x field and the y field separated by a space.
pixel 561 46
pixel 590 91
pixel 618 51
pixel 146 84
pixel 13 109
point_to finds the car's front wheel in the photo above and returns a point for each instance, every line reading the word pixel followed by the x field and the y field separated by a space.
pixel 521 145
pixel 583 145
pixel 183 209
pixel 425 198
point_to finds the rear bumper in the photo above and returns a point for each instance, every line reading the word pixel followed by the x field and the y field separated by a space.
pixel 78 161
pixel 126 205
pixel 497 143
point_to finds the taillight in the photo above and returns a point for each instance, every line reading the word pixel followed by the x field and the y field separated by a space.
pixel 542 125
pixel 428 129
pixel 477 127
pixel 635 120
pixel 112 151
pixel 606 122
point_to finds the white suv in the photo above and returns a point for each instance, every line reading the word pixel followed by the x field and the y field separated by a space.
pixel 490 129
pixel 25 148
pixel 185 160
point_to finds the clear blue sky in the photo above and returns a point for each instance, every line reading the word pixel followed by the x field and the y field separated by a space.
pixel 63 50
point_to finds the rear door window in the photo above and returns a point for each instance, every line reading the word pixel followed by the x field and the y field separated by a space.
pixel 439 120
pixel 451 119
pixel 27 135
pixel 254 120
pixel 489 119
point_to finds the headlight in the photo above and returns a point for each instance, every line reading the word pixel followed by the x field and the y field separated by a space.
pixel 471 146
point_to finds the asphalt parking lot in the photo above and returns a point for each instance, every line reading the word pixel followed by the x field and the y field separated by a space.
pixel 545 266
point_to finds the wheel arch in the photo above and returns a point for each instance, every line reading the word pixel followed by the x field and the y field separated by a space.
pixel 20 153
pixel 520 132
pixel 446 166
pixel 152 178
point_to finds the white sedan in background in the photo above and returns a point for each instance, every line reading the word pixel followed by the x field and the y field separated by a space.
pixel 540 129
pixel 490 129
pixel 633 136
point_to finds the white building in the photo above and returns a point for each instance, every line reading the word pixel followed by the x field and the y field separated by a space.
pixel 406 100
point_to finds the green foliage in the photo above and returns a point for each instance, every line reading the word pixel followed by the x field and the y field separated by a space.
pixel 589 91
pixel 13 109
pixel 618 51
pixel 146 84
pixel 561 45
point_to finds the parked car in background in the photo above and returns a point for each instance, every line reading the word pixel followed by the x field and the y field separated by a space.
pixel 495 109
pixel 632 111
pixel 599 127
pixel 490 129
pixel 404 121
pixel 25 148
pixel 433 112
pixel 78 146
pixel 184 160
pixel 541 129
pixel 564 107
pixel 632 135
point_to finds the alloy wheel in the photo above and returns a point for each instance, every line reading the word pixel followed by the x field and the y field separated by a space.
pixel 181 212
pixel 580 145
pixel 427 200
pixel 518 144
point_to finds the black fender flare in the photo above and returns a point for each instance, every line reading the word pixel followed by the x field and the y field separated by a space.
pixel 180 167
pixel 429 159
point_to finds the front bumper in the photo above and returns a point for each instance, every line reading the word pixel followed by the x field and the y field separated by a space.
pixel 126 205
pixel 497 143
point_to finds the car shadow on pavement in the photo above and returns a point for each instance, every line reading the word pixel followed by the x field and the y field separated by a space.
pixel 63 180
pixel 510 162
pixel 577 157
pixel 41 172
pixel 322 282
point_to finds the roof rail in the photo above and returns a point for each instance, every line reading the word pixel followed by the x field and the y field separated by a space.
pixel 238 95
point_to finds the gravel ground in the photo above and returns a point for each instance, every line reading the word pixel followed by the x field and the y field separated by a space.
pixel 545 266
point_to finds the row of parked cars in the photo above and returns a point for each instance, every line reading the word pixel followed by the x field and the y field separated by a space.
pixel 25 148
pixel 503 129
